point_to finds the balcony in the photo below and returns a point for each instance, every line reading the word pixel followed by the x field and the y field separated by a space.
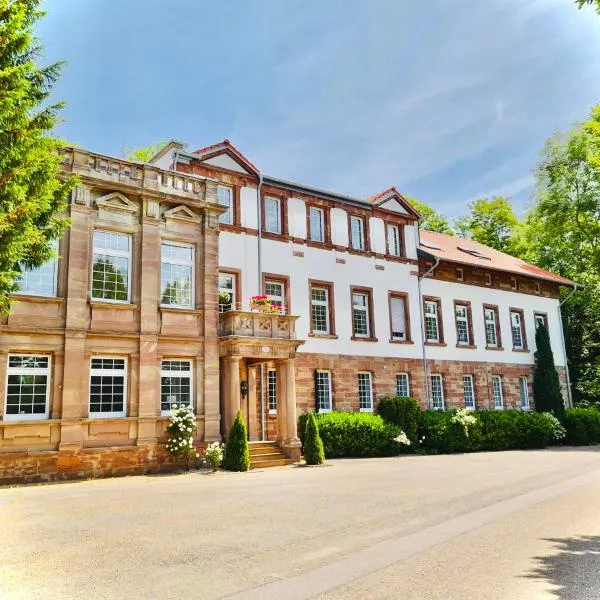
pixel 255 324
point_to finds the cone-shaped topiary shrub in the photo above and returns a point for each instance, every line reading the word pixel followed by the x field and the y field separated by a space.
pixel 546 386
pixel 313 445
pixel 237 453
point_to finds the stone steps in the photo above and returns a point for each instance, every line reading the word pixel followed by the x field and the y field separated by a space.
pixel 267 454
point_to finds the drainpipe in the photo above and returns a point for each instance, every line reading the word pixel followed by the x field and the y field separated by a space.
pixel 564 347
pixel 259 213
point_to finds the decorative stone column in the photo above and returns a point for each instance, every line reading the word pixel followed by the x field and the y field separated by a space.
pixel 232 399
pixel 291 445
pixel 282 422
pixel 252 404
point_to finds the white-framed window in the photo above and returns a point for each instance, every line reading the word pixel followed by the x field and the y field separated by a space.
pixel 317 224
pixel 398 319
pixel 177 274
pixel 436 382
pixel 540 319
pixel 272 215
pixel 111 280
pixel 360 315
pixel 40 281
pixel 272 391
pixel 524 392
pixel 357 230
pixel 469 392
pixel 176 385
pixel 516 324
pixel 225 198
pixel 402 385
pixel 365 392
pixel 108 387
pixel 323 393
pixel 275 291
pixel 491 331
pixel 462 324
pixel 227 287
pixel 27 388
pixel 319 306
pixel 432 330
pixel 460 274
pixel 497 394
pixel 394 240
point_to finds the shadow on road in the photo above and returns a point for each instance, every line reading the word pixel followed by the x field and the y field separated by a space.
pixel 573 567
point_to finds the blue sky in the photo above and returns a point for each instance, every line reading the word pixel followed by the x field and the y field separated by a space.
pixel 448 100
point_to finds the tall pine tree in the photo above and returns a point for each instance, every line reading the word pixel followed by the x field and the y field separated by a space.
pixel 32 197
pixel 546 386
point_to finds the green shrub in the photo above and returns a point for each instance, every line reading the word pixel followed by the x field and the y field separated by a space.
pixel 237 453
pixel 438 433
pixel 314 453
pixel 347 434
pixel 403 412
pixel 583 426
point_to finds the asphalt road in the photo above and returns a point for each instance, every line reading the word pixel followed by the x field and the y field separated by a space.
pixel 502 526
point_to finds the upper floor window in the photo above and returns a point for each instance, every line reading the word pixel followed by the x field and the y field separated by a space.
pixel 361 314
pixel 432 321
pixel 497 394
pixel 27 388
pixel 225 197
pixel 357 233
pixel 402 386
pixel 227 291
pixel 469 392
pixel 108 389
pixel 399 318
pixel 275 290
pixel 365 392
pixel 317 224
pixel 437 392
pixel 462 315
pixel 321 309
pixel 40 281
pixel 110 268
pixel 394 240
pixel 273 215
pixel 541 319
pixel 175 384
pixel 177 275
pixel 518 331
pixel 492 331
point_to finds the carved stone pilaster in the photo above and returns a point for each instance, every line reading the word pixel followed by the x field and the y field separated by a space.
pixel 81 195
pixel 151 208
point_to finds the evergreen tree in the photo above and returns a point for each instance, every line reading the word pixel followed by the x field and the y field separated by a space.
pixel 32 196
pixel 237 453
pixel 314 454
pixel 546 386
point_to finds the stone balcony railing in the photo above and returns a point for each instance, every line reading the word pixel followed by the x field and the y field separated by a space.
pixel 257 325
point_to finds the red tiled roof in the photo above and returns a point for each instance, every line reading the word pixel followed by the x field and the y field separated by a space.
pixel 227 145
pixel 459 250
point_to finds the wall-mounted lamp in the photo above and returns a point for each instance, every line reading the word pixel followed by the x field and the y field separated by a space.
pixel 244 388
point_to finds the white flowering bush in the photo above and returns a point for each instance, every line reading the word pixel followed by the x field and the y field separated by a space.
pixel 181 428
pixel 402 438
pixel 213 456
pixel 465 419
pixel 558 431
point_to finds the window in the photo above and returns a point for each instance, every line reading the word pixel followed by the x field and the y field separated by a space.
pixel 107 387
pixel 469 392
pixel 272 391
pixel 317 224
pixel 432 325
pixel 27 388
pixel 361 314
pixel 460 275
pixel 399 318
pixel 175 384
pixel 275 290
pixel 365 392
pixel 513 283
pixel 320 309
pixel 437 392
pixel 402 387
pixel 357 233
pixel 540 319
pixel 524 393
pixel 227 291
pixel 110 269
pixel 537 288
pixel 177 274
pixel 497 395
pixel 272 215
pixel 518 333
pixel 394 240
pixel 323 391
pixel 492 333
pixel 225 198
pixel 462 315
pixel 39 281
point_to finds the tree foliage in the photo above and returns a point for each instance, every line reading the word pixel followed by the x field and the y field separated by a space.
pixel 431 219
pixel 237 452
pixel 144 153
pixel 32 197
pixel 581 3
pixel 314 454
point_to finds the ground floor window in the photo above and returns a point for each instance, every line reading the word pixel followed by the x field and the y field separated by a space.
pixel 402 388
pixel 272 390
pixel 497 394
pixel 27 388
pixel 107 387
pixel 175 384
pixel 323 391
pixel 365 392
pixel 469 392
pixel 524 392
pixel 437 392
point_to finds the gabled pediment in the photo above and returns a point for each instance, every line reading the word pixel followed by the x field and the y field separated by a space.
pixel 225 155
pixel 225 161
pixel 391 199
pixel 183 213
pixel 117 201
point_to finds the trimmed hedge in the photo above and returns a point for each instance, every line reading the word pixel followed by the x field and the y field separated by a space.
pixel 403 412
pixel 583 426
pixel 357 435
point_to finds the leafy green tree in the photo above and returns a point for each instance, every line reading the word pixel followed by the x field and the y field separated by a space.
pixel 32 196
pixel 314 453
pixel 491 222
pixel 431 219
pixel 237 453
pixel 144 153
pixel 546 385
pixel 581 3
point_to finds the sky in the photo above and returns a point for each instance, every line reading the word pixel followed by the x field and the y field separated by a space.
pixel 447 100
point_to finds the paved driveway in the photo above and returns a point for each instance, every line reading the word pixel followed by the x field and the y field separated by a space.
pixel 453 527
